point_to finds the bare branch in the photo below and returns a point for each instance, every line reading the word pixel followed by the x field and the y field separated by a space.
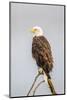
pixel 34 82
pixel 51 86
pixel 49 83
pixel 37 87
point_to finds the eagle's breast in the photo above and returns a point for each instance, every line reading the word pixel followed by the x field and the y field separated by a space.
pixel 41 52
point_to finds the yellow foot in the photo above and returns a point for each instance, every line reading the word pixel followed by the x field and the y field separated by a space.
pixel 40 70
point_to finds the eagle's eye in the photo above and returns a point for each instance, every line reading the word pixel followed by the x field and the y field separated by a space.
pixel 34 30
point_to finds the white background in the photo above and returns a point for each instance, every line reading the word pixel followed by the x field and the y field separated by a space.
pixel 4 49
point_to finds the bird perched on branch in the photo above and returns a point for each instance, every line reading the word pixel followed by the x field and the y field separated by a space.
pixel 41 52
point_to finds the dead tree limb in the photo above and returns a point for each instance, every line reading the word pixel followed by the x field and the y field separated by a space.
pixel 51 86
pixel 34 82
pixel 37 87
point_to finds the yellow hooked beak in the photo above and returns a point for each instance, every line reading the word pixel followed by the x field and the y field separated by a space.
pixel 33 30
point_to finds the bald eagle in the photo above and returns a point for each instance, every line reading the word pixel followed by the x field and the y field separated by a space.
pixel 41 52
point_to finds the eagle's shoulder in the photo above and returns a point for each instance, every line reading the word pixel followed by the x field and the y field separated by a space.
pixel 42 40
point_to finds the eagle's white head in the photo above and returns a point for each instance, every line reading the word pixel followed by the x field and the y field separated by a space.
pixel 37 31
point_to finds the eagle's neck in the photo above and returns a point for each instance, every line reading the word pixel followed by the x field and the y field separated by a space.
pixel 38 34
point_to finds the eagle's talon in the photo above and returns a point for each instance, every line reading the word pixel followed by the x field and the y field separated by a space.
pixel 40 71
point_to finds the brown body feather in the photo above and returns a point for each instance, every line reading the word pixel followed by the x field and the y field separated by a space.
pixel 41 51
